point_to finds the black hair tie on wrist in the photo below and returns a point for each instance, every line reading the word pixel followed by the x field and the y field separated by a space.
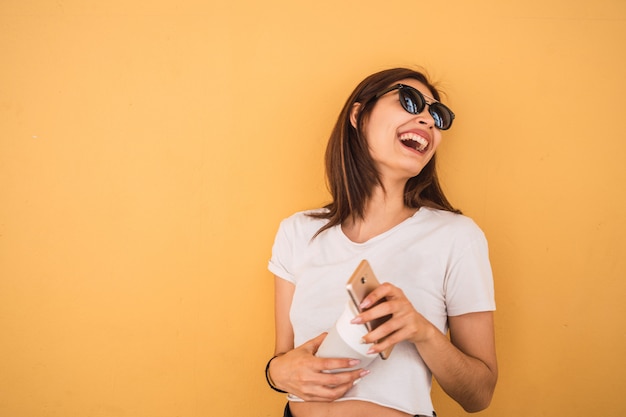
pixel 269 380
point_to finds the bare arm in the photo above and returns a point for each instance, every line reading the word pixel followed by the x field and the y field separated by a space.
pixel 283 294
pixel 464 365
pixel 297 370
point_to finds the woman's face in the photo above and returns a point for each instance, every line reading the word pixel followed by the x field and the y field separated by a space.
pixel 401 143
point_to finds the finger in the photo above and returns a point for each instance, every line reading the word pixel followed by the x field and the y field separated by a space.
pixel 338 391
pixel 374 296
pixel 399 327
pixel 326 394
pixel 333 364
pixel 384 343
pixel 383 290
pixel 386 308
pixel 393 331
pixel 336 385
pixel 383 331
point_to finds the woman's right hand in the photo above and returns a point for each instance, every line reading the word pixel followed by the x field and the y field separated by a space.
pixel 301 373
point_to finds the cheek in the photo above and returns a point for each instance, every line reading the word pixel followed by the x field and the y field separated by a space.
pixel 437 140
pixel 377 131
pixel 383 129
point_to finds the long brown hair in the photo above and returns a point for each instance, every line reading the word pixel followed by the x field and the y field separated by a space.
pixel 351 173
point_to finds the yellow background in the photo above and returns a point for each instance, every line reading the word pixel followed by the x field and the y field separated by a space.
pixel 148 150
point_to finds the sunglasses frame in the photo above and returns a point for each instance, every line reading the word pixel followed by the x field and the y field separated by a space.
pixel 434 103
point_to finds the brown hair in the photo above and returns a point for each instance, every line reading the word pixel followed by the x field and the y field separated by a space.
pixel 350 171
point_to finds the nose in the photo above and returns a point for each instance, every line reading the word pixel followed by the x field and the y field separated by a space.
pixel 424 118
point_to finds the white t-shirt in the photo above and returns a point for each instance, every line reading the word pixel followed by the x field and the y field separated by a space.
pixel 440 261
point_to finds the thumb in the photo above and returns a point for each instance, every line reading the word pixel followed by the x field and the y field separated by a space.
pixel 314 344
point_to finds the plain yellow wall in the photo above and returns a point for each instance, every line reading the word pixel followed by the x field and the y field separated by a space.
pixel 148 150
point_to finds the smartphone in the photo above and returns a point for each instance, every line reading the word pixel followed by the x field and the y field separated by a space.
pixel 361 283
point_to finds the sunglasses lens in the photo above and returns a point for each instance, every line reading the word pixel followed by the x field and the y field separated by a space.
pixel 412 101
pixel 443 116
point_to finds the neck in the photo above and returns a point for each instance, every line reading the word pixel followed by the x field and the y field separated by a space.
pixel 383 211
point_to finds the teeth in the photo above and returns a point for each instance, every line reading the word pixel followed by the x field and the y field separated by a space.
pixel 420 143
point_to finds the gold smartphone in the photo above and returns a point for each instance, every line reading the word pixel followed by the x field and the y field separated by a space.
pixel 361 283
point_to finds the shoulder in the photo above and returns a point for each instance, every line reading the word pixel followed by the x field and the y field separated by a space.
pixel 306 217
pixel 450 226
pixel 448 219
pixel 303 223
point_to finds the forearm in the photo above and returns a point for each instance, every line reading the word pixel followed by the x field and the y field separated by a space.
pixel 464 365
pixel 466 379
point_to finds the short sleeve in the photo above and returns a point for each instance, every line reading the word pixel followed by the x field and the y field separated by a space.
pixel 469 282
pixel 281 262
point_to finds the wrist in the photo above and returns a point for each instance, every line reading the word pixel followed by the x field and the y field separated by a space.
pixel 268 377
pixel 427 334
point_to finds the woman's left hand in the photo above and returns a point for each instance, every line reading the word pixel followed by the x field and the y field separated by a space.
pixel 467 359
pixel 406 323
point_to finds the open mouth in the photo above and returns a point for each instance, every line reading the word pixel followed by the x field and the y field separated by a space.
pixel 414 141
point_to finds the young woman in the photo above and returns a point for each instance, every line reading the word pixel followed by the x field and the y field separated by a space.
pixel 388 208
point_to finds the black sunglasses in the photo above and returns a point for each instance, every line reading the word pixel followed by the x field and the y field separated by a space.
pixel 414 102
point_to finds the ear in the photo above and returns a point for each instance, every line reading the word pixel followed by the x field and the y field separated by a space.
pixel 354 112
